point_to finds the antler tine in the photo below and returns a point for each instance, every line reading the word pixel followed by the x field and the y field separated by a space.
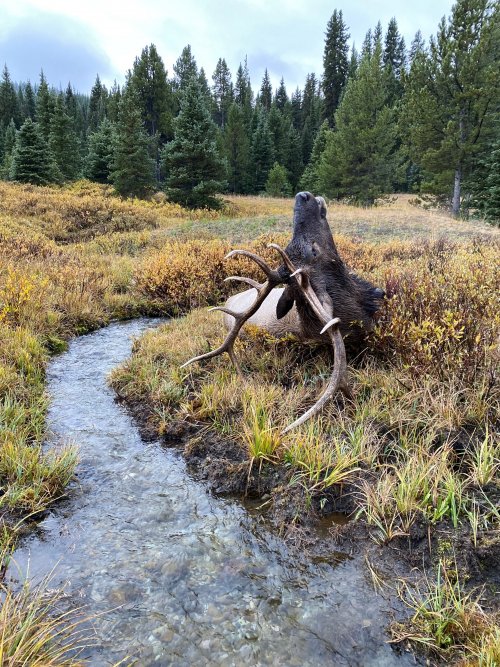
pixel 284 256
pixel 244 279
pixel 239 321
pixel 263 291
pixel 337 379
pixel 270 273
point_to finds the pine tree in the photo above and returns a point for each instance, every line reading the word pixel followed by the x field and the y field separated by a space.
pixel 9 143
pixel 70 103
pixel 266 92
pixel 296 104
pixel 185 69
pixel 9 103
pixel 237 149
pixel 311 115
pixel 307 140
pixel 2 143
pixel 311 103
pixel 63 142
pixel 100 158
pixel 222 91
pixel 133 168
pixel 277 184
pixel 394 61
pixel 451 95
pixel 20 101
pixel 367 47
pixel 310 178
pixel 149 82
pixel 97 104
pixel 73 104
pixel 353 63
pixel 29 110
pixel 277 128
pixel 44 107
pixel 294 163
pixel 394 49
pixel 195 169
pixel 417 46
pixel 281 97
pixel 205 88
pixel 114 99
pixel 31 160
pixel 262 152
pixel 487 191
pixel 243 94
pixel 358 161
pixel 335 64
pixel 2 139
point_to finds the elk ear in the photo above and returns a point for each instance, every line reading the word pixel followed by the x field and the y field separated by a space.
pixel 322 207
pixel 285 304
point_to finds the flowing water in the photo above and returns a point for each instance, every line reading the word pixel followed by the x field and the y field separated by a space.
pixel 178 576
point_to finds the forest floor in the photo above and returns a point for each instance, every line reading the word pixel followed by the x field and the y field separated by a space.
pixel 410 466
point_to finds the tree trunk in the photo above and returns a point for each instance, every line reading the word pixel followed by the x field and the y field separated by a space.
pixel 455 205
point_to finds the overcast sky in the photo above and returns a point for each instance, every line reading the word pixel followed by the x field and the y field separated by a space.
pixel 75 39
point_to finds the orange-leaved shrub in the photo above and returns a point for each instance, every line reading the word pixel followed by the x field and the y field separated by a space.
pixel 441 315
pixel 186 275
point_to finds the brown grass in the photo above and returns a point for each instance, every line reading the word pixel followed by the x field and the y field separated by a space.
pixel 431 373
pixel 72 258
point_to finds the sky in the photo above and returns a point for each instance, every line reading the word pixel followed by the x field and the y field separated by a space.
pixel 74 40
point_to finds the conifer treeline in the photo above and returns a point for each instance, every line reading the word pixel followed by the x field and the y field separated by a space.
pixel 386 119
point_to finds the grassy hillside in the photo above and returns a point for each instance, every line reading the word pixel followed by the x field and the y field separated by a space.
pixel 415 453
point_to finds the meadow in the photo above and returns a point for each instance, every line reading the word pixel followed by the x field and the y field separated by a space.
pixel 413 460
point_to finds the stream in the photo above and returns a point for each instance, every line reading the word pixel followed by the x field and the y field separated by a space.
pixel 178 576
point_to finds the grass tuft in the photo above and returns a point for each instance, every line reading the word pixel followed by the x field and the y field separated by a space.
pixel 449 621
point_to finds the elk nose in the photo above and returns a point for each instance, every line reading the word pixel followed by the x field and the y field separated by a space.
pixel 303 195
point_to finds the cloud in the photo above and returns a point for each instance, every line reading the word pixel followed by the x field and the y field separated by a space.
pixel 73 40
pixel 58 45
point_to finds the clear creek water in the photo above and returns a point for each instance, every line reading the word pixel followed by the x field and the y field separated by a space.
pixel 183 578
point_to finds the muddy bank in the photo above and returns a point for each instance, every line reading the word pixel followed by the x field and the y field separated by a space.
pixel 325 524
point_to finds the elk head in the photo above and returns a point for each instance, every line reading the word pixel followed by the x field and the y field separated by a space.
pixel 329 300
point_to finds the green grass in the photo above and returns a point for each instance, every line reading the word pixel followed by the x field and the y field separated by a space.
pixel 449 621
pixel 35 631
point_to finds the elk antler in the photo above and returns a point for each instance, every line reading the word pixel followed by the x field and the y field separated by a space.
pixel 263 291
pixel 330 324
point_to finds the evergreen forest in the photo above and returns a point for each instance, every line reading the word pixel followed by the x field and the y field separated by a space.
pixel 419 118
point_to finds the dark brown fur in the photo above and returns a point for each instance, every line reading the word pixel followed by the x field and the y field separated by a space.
pixel 347 296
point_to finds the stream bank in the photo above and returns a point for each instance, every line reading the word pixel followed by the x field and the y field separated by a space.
pixel 174 575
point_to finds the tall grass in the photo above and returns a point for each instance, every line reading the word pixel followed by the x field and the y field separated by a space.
pixel 448 620
pixel 36 630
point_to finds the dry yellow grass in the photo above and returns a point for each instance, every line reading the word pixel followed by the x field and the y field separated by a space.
pixel 398 218
pixel 432 371
pixel 72 258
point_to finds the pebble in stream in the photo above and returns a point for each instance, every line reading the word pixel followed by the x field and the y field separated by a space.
pixel 180 577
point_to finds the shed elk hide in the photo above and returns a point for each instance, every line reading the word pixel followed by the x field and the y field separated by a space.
pixel 322 300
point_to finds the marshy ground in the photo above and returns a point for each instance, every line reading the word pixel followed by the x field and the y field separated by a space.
pixel 412 461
